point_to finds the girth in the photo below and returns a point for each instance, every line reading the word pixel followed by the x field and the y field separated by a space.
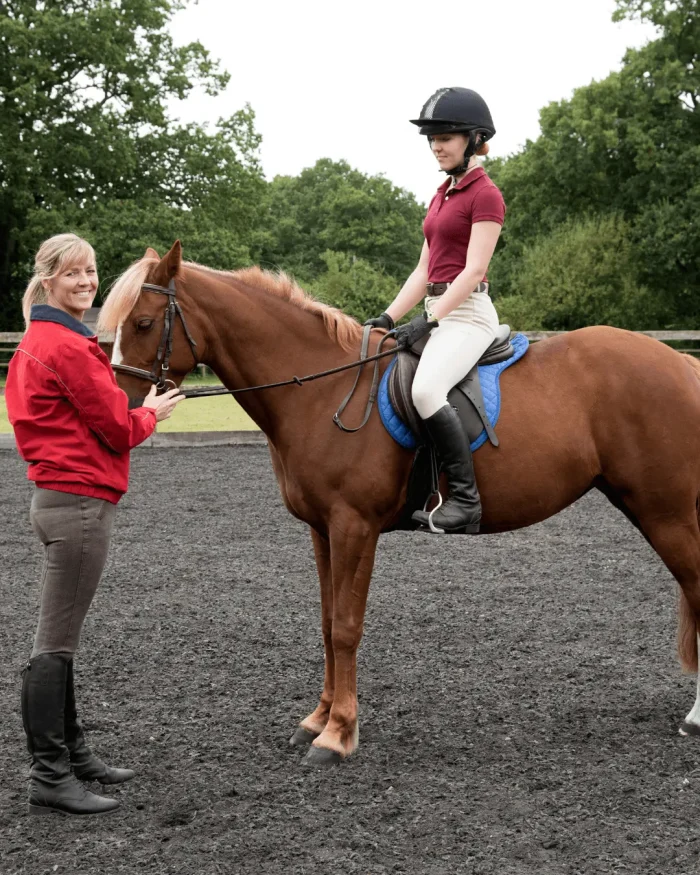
pixel 466 396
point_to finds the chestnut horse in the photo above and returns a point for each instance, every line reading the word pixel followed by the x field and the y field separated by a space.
pixel 599 407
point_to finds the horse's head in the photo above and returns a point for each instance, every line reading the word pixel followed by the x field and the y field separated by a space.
pixel 155 335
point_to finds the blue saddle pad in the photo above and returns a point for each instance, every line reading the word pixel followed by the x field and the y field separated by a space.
pixel 489 375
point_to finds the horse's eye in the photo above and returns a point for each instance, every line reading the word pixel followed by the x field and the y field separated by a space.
pixel 144 324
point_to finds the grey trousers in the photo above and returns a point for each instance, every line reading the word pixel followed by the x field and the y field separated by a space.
pixel 75 531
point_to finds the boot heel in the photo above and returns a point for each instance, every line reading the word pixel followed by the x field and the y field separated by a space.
pixel 472 529
pixel 460 530
pixel 43 810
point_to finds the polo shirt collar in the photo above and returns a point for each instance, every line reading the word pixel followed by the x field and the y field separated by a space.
pixel 463 183
pixel 45 313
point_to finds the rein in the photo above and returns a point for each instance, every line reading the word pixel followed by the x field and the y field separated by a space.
pixel 166 345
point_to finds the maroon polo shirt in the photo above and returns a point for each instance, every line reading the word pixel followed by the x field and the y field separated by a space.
pixel 448 223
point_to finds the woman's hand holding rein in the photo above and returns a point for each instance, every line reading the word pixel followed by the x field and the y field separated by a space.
pixel 163 404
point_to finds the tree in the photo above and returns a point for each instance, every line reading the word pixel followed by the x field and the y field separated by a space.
pixel 85 142
pixel 353 285
pixel 628 145
pixel 582 273
pixel 331 206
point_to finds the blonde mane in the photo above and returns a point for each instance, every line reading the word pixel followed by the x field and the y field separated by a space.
pixel 123 295
pixel 126 290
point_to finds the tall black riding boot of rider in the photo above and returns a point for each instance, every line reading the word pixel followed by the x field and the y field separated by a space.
pixel 461 512
pixel 86 766
pixel 54 789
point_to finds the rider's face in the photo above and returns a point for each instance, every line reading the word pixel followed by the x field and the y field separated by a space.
pixel 73 289
pixel 448 149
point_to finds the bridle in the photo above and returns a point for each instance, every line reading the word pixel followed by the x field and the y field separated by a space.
pixel 165 347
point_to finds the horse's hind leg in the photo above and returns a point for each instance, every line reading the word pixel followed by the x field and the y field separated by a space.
pixel 313 725
pixel 677 542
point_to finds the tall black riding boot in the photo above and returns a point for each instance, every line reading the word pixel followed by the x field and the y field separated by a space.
pixel 86 766
pixel 54 789
pixel 461 513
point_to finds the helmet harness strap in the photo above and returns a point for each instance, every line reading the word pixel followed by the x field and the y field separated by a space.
pixel 473 142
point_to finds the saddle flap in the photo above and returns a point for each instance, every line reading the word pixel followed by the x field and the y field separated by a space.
pixel 470 386
pixel 400 383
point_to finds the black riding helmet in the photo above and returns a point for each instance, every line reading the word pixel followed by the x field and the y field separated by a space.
pixel 457 110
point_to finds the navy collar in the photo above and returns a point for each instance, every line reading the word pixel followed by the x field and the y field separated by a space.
pixel 45 313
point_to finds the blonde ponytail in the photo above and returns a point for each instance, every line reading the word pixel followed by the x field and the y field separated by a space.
pixel 53 256
pixel 35 294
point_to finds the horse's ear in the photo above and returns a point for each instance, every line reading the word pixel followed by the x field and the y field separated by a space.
pixel 173 259
pixel 169 265
pixel 151 253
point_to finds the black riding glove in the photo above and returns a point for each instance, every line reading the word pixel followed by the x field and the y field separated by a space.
pixel 382 321
pixel 407 335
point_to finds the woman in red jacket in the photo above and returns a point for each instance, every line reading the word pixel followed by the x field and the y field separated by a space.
pixel 73 426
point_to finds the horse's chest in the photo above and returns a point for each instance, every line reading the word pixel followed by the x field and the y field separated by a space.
pixel 298 492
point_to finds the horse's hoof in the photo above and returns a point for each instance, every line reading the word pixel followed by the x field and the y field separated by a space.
pixel 302 737
pixel 689 729
pixel 321 756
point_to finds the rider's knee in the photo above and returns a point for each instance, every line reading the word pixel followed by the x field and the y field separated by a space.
pixel 425 398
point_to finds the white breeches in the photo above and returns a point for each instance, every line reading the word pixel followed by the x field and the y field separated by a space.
pixel 453 349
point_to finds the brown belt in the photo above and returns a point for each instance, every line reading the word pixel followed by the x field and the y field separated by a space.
pixel 437 289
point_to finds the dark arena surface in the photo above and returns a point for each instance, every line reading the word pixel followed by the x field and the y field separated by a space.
pixel 519 694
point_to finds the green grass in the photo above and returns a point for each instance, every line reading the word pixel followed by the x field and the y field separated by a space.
pixel 194 414
pixel 208 414
pixel 5 427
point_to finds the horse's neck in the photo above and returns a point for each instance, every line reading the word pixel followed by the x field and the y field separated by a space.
pixel 258 338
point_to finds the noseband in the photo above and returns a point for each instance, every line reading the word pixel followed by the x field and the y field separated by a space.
pixel 165 347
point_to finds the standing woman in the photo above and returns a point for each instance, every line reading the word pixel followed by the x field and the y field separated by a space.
pixel 73 426
pixel 461 231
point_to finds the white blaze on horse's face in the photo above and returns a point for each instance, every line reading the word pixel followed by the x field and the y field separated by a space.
pixel 116 349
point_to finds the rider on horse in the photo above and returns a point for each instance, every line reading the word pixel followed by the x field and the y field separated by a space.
pixel 461 230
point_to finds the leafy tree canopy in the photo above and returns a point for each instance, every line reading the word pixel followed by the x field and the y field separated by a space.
pixel 85 140
pixel 330 206
pixel 353 285
pixel 628 145
pixel 583 273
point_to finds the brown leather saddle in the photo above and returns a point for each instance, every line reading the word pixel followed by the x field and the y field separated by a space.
pixel 466 397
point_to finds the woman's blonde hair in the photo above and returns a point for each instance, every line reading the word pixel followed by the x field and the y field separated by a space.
pixel 53 256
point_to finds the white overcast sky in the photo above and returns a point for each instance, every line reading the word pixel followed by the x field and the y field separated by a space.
pixel 340 80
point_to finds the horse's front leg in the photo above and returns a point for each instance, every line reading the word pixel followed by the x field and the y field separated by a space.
pixel 353 543
pixel 315 723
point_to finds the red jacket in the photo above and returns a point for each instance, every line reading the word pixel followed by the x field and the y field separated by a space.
pixel 71 420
